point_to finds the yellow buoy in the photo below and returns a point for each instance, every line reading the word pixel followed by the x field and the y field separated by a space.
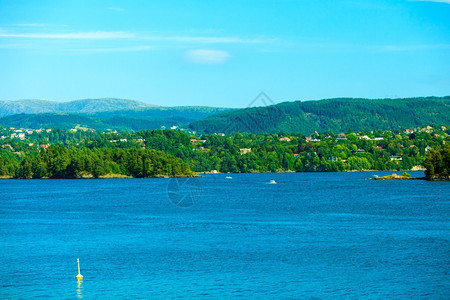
pixel 79 276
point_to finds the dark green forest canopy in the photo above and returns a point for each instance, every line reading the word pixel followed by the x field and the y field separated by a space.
pixel 60 162
pixel 437 163
pixel 337 115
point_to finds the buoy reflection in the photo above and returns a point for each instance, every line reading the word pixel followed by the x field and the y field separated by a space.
pixel 80 288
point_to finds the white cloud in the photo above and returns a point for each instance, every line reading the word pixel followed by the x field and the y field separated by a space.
pixel 92 35
pixel 39 25
pixel 113 35
pixel 208 40
pixel 31 24
pixel 439 1
pixel 413 47
pixel 207 56
pixel 122 41
pixel 112 49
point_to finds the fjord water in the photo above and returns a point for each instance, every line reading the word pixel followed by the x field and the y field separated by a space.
pixel 320 235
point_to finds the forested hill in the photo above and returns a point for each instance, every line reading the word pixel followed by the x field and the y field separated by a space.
pixel 128 120
pixel 337 115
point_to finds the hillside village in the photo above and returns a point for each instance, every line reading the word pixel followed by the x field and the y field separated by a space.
pixel 403 149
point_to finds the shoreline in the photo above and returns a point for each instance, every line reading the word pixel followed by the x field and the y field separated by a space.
pixel 200 174
pixel 107 176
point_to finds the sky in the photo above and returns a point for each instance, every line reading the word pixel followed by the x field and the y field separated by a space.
pixel 223 53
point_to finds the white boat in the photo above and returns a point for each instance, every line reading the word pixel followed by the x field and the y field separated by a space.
pixel 228 177
pixel 272 181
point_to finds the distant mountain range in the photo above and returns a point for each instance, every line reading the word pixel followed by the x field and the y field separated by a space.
pixel 337 115
pixel 33 106
pixel 108 113
pixel 300 116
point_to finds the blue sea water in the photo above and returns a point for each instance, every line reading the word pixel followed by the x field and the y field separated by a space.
pixel 311 235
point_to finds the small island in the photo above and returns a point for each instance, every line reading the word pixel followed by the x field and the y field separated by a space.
pixel 394 176
pixel 437 163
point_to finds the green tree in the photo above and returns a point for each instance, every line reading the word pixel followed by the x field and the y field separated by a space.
pixel 437 163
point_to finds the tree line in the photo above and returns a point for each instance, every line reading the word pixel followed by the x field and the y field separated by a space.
pixel 60 162
pixel 437 163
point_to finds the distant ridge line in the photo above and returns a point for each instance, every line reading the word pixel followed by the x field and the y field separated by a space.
pixel 36 106
pixel 337 115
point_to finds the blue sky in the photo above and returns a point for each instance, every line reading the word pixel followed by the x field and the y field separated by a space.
pixel 223 53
